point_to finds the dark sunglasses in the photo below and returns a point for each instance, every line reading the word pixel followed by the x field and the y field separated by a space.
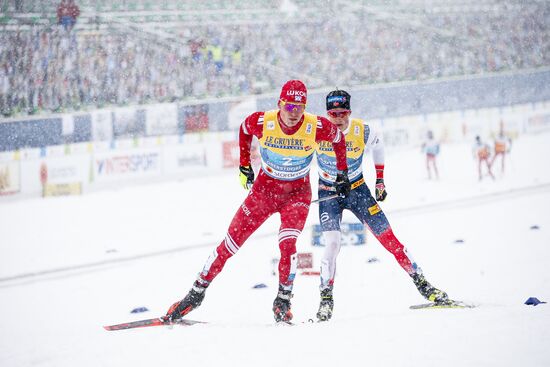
pixel 337 114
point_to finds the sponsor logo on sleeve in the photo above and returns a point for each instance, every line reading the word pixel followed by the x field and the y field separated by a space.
pixel 300 204
pixel 245 209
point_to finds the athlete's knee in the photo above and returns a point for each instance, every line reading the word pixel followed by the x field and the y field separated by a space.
pixel 332 240
pixel 378 223
pixel 287 239
pixel 287 247
pixel 389 241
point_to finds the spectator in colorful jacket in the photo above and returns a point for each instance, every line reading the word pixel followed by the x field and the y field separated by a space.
pixel 67 12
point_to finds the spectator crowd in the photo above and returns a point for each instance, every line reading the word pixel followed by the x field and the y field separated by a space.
pixel 59 68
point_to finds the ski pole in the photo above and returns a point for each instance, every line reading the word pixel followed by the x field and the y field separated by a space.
pixel 325 198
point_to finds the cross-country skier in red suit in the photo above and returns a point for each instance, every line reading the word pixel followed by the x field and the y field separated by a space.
pixel 287 138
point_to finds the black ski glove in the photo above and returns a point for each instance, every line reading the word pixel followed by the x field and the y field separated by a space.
pixel 343 187
pixel 246 176
pixel 380 190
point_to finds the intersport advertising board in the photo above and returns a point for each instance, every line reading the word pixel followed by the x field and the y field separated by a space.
pixel 126 164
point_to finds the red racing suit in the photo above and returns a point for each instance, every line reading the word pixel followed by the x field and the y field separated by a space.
pixel 282 186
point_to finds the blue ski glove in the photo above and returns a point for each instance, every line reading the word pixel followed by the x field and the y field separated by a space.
pixel 246 177
pixel 380 190
pixel 343 187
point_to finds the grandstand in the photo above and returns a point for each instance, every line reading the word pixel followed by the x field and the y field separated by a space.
pixel 137 52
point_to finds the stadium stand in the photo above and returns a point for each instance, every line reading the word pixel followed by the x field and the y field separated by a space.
pixel 136 52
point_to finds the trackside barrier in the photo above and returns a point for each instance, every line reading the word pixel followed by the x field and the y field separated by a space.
pixel 77 168
pixel 73 169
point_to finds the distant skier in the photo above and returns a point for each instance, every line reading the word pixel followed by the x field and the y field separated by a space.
pixel 360 137
pixel 287 139
pixel 482 152
pixel 501 147
pixel 431 148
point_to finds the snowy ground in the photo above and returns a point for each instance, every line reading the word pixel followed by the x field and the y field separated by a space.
pixel 143 246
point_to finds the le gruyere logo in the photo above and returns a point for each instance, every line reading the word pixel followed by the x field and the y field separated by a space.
pixel 284 143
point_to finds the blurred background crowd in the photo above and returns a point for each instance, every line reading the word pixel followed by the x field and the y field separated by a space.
pixel 65 56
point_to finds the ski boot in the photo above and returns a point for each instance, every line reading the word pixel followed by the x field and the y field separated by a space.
pixel 326 305
pixel 192 300
pixel 428 291
pixel 281 305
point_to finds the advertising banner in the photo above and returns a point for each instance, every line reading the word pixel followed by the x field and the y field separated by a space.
pixel 67 124
pixel 126 123
pixel 185 158
pixel 239 111
pixel 9 178
pixel 102 125
pixel 161 119
pixel 195 118
pixel 231 154
pixel 71 170
pixel 63 170
pixel 131 163
pixel 538 122
pixel 68 189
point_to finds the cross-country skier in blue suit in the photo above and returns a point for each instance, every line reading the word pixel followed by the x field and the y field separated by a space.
pixel 360 137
